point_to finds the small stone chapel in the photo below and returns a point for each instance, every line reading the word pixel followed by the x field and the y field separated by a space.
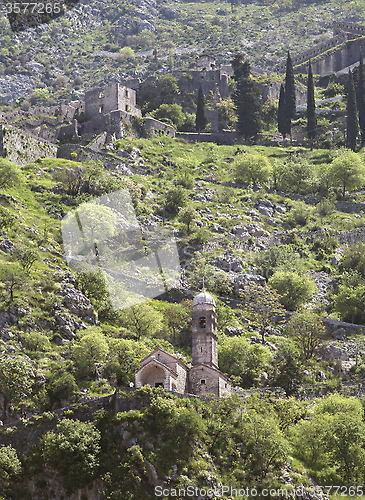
pixel 161 369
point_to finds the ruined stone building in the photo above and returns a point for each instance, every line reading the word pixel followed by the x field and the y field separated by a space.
pixel 204 377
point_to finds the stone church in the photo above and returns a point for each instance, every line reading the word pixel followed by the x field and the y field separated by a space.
pixel 163 369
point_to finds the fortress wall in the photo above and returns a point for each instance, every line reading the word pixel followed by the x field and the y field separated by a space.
pixel 314 51
pixel 333 61
pixel 340 27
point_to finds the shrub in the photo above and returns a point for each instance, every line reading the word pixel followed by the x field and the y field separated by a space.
pixel 74 450
pixel 175 197
pixel 294 289
pixel 299 215
pixel 10 465
pixel 10 174
pixel 253 168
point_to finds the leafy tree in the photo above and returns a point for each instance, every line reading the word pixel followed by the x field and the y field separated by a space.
pixel 352 120
pixel 276 257
pixel 10 175
pixel 124 359
pixel 290 97
pixel 188 215
pixel 348 171
pixel 27 256
pixel 349 299
pixel 71 177
pixel 227 116
pixel 142 319
pixel 247 99
pixel 168 88
pixel 175 197
pixel 7 219
pixel 288 368
pixel 60 387
pixel 266 448
pixel 263 307
pixel 353 259
pixel 12 279
pixel 89 352
pixel 253 168
pixel 361 98
pixel 10 465
pixel 16 380
pixel 74 451
pixel 294 289
pixel 311 107
pixel 295 174
pixel 307 331
pixel 201 121
pixel 172 112
pixel 283 126
pixel 97 223
pixel 244 362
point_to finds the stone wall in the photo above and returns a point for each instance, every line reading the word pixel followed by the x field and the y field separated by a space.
pixel 336 59
pixel 153 127
pixel 22 148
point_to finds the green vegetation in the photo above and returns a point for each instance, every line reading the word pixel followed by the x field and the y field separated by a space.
pixel 265 250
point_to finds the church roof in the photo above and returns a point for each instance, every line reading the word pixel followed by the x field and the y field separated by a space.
pixel 203 298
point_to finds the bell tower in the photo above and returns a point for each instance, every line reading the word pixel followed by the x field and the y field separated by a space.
pixel 204 330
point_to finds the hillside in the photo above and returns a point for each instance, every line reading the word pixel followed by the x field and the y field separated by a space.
pixel 100 42
pixel 289 221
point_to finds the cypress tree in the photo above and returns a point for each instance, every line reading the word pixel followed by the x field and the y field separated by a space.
pixel 282 121
pixel 290 98
pixel 201 120
pixel 352 121
pixel 247 99
pixel 361 98
pixel 311 107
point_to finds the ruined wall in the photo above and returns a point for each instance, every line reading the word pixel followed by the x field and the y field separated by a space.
pixel 22 148
pixel 154 127
pixel 113 97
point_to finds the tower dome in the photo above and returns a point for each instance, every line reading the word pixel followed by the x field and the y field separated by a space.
pixel 203 298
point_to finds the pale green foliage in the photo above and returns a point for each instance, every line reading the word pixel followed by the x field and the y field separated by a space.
pixel 142 319
pixel 187 215
pixel 265 443
pixel 10 465
pixel 10 174
pixel 16 379
pixel 97 221
pixel 173 112
pixel 253 168
pixel 295 175
pixel 176 197
pixel 36 341
pixel 74 450
pixel 294 289
pixel 307 330
pixel 90 351
pixel 124 359
pixel 348 171
pixel 244 362
pixel 299 215
pixel 27 256
pixel 227 116
pixel 263 307
pixel 333 438
pixel 7 219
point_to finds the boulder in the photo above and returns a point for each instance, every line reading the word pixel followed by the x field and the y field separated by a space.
pixel 7 245
pixel 265 210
